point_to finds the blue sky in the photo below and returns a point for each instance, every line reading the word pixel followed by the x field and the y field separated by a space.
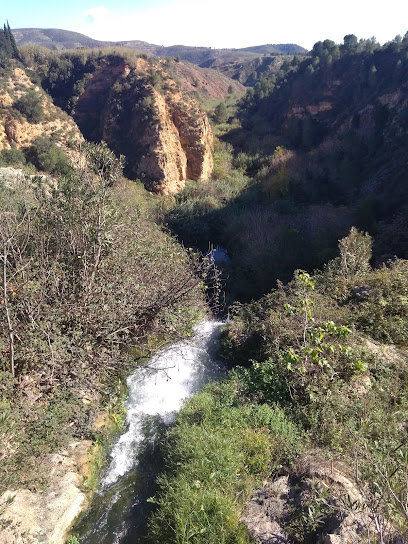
pixel 215 23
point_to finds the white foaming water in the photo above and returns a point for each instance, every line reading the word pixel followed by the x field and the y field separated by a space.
pixel 159 388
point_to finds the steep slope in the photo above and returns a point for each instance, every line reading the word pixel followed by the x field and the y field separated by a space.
pixel 343 114
pixel 27 112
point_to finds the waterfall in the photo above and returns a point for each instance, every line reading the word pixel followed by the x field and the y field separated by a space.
pixel 156 392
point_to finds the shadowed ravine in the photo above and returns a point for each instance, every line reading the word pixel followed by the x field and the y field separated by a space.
pixel 119 510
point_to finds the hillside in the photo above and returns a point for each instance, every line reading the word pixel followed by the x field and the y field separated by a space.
pixel 54 38
pixel 342 115
pixel 322 145
pixel 27 113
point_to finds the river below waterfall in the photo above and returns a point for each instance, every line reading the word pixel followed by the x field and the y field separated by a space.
pixel 120 508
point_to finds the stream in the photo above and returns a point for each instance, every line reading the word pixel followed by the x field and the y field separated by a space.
pixel 120 508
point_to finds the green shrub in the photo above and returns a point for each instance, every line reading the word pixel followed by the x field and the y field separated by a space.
pixel 48 157
pixel 221 113
pixel 12 157
pixel 30 105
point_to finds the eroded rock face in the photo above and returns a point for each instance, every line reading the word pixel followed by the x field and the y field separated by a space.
pixel 15 130
pixel 11 130
pixel 179 145
pixel 164 135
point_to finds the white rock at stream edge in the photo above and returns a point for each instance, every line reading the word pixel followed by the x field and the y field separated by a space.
pixel 46 517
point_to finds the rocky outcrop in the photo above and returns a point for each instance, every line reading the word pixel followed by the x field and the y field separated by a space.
pixel 141 113
pixel 28 517
pixel 15 130
pixel 178 144
pixel 318 486
pixel 11 130
pixel 265 510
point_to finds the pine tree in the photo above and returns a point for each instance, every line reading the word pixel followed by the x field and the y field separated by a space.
pixel 12 41
pixel 4 52
pixel 8 46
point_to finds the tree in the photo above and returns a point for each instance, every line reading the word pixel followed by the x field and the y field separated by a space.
pixel 8 47
pixel 350 44
pixel 11 41
pixel 221 113
pixel 355 253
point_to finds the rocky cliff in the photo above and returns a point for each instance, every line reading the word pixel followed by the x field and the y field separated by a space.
pixel 141 113
pixel 27 112
pixel 178 144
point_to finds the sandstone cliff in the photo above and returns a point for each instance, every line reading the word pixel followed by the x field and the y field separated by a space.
pixel 141 113
pixel 178 144
pixel 15 128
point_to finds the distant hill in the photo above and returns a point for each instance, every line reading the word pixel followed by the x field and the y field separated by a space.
pixel 236 63
pixel 277 49
pixel 54 38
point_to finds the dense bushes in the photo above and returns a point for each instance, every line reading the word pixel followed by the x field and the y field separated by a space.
pixel 12 157
pixel 86 277
pixel 72 254
pixel 30 105
pixel 46 156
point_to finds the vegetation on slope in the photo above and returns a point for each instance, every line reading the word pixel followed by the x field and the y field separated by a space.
pixel 311 378
pixel 34 133
pixel 322 156
pixel 342 114
pixel 85 280
pixel 322 149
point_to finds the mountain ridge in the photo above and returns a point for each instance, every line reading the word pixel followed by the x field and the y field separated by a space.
pixel 54 38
